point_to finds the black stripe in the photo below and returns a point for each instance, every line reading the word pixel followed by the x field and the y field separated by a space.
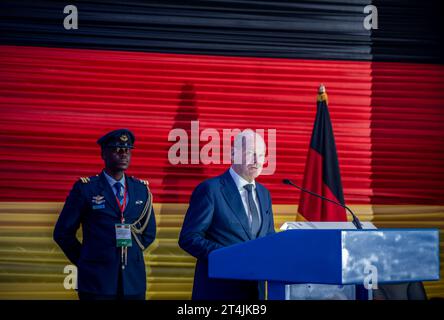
pixel 409 31
pixel 323 141
pixel 291 29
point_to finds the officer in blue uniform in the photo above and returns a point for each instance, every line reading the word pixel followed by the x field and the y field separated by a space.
pixel 118 223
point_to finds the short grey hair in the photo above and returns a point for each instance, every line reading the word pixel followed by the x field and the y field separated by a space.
pixel 251 139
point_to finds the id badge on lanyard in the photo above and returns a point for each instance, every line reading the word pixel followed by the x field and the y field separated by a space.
pixel 123 233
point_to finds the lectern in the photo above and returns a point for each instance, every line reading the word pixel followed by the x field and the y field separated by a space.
pixel 339 257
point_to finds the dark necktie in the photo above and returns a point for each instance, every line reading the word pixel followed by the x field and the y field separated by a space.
pixel 119 192
pixel 255 223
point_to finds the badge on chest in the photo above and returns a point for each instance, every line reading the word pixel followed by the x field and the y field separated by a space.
pixel 98 202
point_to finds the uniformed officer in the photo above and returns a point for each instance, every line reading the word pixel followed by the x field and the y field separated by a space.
pixel 118 223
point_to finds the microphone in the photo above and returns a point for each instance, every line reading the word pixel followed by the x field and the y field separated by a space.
pixel 355 221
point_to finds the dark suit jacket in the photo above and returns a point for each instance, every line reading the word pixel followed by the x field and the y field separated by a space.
pixel 216 218
pixel 97 258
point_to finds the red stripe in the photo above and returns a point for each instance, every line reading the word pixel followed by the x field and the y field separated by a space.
pixel 56 102
pixel 314 208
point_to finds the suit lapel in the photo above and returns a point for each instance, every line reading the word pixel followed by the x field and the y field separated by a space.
pixel 233 198
pixel 109 194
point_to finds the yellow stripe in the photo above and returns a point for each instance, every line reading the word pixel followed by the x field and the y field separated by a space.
pixel 31 264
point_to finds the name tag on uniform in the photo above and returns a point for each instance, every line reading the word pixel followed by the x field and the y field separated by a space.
pixel 123 235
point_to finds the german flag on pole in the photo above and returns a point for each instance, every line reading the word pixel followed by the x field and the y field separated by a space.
pixel 322 174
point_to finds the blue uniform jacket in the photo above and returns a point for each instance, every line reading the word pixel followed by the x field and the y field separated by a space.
pixel 97 258
pixel 216 218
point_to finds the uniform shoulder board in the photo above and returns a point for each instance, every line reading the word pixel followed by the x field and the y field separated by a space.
pixel 145 182
pixel 84 179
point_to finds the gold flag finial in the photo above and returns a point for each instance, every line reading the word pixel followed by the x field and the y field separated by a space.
pixel 322 94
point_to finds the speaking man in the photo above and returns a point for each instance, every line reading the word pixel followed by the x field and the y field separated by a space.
pixel 225 210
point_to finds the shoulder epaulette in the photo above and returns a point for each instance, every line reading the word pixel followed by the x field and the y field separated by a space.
pixel 145 182
pixel 84 179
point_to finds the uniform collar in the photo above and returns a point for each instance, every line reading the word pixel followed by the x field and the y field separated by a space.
pixel 113 181
pixel 239 181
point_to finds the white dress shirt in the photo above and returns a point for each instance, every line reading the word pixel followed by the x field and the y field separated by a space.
pixel 240 183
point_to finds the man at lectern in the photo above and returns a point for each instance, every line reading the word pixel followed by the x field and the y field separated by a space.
pixel 225 210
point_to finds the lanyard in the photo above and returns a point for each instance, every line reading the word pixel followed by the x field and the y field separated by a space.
pixel 123 205
pixel 124 250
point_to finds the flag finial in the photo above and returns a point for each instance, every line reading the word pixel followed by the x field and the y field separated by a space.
pixel 322 94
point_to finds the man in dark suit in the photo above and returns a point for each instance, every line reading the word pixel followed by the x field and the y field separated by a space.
pixel 118 223
pixel 226 210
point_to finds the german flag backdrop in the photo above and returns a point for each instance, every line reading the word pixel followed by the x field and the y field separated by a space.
pixel 153 66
